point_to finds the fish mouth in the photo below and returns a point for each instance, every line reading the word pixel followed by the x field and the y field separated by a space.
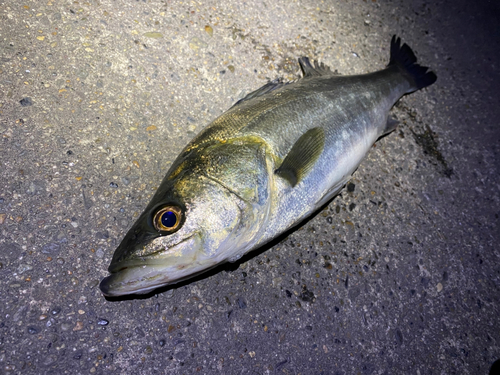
pixel 119 284
pixel 141 275
pixel 132 280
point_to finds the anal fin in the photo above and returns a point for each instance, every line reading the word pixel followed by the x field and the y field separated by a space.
pixel 390 126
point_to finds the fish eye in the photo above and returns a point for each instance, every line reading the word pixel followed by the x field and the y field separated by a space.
pixel 168 219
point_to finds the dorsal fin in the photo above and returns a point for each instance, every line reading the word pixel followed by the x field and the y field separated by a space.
pixel 309 70
pixel 302 156
pixel 267 88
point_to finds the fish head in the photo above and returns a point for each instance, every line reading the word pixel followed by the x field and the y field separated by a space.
pixel 192 224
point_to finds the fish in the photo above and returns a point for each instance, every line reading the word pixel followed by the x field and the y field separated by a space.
pixel 273 159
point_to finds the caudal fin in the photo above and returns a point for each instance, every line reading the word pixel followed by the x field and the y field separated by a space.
pixel 403 57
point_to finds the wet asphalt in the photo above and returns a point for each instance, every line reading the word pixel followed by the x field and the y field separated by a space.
pixel 400 274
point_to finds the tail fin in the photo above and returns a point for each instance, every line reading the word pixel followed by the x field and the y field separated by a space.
pixel 403 57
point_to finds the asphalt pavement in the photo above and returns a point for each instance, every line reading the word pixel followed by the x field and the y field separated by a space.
pixel 399 274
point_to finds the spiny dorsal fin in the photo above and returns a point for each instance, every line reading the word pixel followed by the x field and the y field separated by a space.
pixel 309 70
pixel 302 156
pixel 267 88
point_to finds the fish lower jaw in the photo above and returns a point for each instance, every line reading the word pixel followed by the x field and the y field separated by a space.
pixel 144 278
pixel 111 288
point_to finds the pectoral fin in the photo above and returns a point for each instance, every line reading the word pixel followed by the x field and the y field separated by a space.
pixel 302 156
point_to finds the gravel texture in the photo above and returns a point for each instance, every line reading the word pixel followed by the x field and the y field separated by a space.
pixel 400 274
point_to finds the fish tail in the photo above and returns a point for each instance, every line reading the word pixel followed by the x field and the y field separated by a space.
pixel 403 57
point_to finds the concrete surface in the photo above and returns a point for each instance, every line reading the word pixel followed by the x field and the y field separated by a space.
pixel 400 275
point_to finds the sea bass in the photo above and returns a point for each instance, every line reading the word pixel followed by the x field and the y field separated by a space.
pixel 271 160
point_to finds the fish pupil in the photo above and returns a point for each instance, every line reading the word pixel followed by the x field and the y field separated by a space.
pixel 168 219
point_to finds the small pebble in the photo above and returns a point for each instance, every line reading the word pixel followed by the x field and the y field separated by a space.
pixel 439 287
pixel 23 268
pixel 26 102
pixel 49 359
pixel 169 293
pixel 153 35
pixel 241 303
pixel 102 322
pixel 209 30
pixel 51 248
pixel 196 43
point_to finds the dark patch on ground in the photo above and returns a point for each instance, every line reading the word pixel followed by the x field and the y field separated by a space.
pixel 428 141
pixel 307 295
